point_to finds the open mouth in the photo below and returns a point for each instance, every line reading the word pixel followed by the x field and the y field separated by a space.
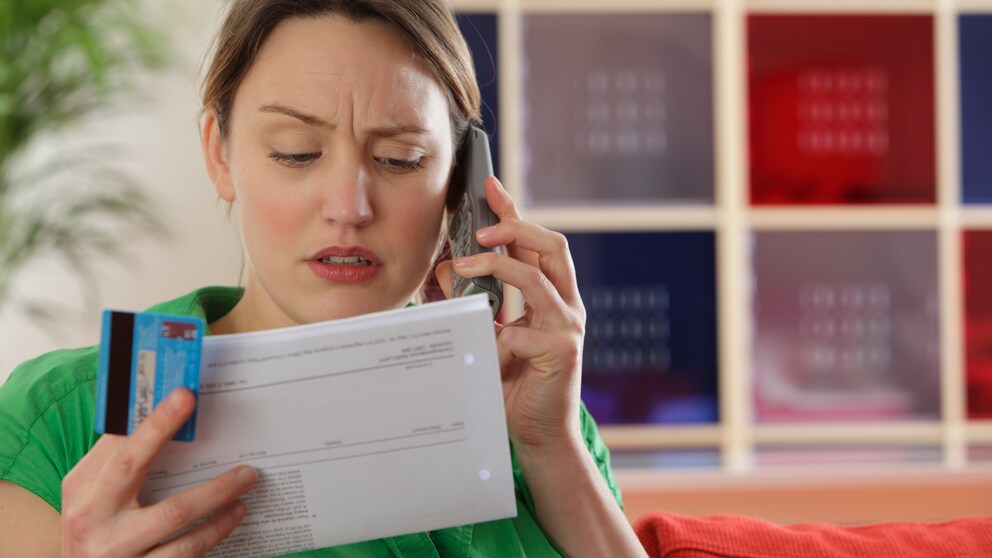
pixel 345 260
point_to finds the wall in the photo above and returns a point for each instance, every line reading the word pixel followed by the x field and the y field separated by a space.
pixel 159 145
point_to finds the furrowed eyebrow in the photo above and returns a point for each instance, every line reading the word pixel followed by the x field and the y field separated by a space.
pixel 307 119
pixel 399 130
pixel 316 121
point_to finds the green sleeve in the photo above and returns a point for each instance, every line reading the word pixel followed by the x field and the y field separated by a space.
pixel 600 453
pixel 46 409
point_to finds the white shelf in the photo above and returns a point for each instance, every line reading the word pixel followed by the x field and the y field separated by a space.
pixel 845 218
pixel 976 217
pixel 660 218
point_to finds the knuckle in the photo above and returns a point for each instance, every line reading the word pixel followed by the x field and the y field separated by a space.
pixel 123 462
pixel 190 547
pixel 489 258
pixel 539 278
pixel 560 242
pixel 573 351
pixel 175 513
pixel 225 488
pixel 576 322
pixel 69 485
pixel 508 335
pixel 77 524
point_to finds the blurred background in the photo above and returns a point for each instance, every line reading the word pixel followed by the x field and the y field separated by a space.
pixel 777 211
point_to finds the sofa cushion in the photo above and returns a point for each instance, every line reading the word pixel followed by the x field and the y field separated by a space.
pixel 728 536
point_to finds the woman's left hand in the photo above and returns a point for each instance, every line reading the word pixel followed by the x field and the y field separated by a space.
pixel 540 353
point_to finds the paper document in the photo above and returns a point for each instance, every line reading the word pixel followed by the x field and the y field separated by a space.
pixel 363 428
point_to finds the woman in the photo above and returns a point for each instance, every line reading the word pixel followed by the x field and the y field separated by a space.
pixel 332 127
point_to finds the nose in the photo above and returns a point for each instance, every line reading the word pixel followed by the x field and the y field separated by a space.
pixel 346 192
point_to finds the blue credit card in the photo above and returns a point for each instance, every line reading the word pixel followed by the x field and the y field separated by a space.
pixel 143 357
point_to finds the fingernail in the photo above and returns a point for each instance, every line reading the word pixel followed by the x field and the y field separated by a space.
pixel 239 510
pixel 174 401
pixel 467 261
pixel 484 233
pixel 246 475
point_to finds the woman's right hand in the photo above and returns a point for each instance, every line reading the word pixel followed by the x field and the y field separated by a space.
pixel 100 511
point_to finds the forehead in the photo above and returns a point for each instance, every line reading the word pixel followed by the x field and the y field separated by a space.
pixel 318 63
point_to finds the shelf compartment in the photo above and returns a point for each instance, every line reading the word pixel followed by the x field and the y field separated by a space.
pixel 845 326
pixel 618 108
pixel 975 43
pixel 847 121
pixel 650 345
pixel 977 246
pixel 480 30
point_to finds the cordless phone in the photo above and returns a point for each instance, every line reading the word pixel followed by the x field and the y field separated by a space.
pixel 470 212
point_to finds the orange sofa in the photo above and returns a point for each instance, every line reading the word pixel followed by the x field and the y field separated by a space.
pixel 671 535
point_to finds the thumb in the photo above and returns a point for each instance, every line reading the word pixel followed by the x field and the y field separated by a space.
pixel 443 274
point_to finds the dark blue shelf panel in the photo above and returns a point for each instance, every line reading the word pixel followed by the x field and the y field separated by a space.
pixel 651 343
pixel 975 35
pixel 480 31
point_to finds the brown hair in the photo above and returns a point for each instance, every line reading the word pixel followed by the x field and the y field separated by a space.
pixel 426 24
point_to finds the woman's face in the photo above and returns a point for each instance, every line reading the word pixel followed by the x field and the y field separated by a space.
pixel 337 160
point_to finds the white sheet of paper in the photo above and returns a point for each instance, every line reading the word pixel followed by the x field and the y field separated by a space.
pixel 363 428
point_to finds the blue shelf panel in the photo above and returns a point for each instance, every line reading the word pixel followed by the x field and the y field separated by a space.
pixel 481 31
pixel 975 37
pixel 650 347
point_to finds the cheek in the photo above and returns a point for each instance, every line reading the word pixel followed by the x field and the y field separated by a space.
pixel 426 214
pixel 267 218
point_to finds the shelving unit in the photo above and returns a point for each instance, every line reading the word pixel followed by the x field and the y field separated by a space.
pixel 738 438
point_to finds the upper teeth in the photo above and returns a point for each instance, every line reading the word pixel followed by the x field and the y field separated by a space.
pixel 350 260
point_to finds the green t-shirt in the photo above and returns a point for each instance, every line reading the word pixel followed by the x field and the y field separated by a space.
pixel 47 413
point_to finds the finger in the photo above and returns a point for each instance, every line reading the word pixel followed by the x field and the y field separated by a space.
pixel 204 536
pixel 443 274
pixel 90 465
pixel 545 351
pixel 123 473
pixel 159 521
pixel 553 256
pixel 536 288
pixel 506 209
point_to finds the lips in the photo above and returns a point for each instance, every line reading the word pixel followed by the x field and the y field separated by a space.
pixel 345 264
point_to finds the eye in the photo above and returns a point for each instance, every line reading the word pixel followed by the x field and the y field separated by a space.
pixel 294 159
pixel 401 165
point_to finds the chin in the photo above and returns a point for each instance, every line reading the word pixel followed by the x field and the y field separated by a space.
pixel 338 309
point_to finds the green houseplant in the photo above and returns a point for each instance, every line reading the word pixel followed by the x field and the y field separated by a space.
pixel 60 62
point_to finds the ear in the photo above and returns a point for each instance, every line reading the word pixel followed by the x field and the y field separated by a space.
pixel 215 156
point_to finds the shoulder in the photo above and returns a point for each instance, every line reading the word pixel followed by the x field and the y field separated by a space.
pixel 49 378
pixel 46 407
pixel 208 303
